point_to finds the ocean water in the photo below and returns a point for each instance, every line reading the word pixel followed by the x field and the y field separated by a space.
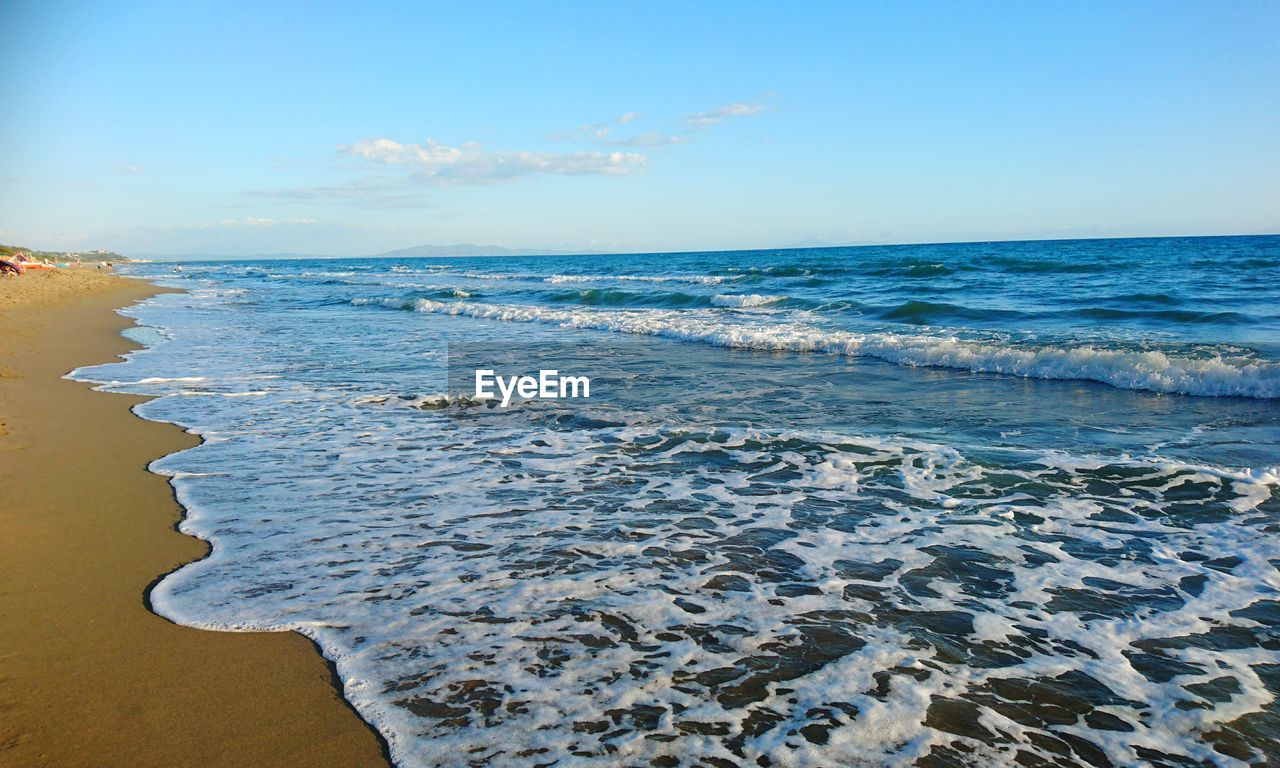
pixel 997 503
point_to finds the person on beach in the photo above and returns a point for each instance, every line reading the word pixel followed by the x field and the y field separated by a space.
pixel 10 268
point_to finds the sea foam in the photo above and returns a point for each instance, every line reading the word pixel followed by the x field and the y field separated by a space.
pixel 1153 370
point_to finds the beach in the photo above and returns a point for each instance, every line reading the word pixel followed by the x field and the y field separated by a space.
pixel 91 677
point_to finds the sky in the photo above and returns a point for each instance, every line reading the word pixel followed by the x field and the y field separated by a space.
pixel 177 128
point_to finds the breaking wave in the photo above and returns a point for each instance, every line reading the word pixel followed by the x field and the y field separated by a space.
pixel 744 300
pixel 1150 370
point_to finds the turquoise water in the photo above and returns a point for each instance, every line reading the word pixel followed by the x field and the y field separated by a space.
pixel 1006 503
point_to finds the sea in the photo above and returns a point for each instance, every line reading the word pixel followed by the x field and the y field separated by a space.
pixel 1011 503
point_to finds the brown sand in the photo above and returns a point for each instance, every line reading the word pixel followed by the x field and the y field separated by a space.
pixel 88 676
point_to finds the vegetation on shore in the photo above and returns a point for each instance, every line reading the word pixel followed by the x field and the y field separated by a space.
pixel 7 251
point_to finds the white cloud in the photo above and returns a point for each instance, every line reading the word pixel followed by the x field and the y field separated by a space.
pixel 128 169
pixel 718 115
pixel 432 164
pixel 472 164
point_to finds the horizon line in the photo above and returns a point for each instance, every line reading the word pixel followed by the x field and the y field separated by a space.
pixel 543 252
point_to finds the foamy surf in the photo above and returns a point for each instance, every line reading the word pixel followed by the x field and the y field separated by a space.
pixel 557 278
pixel 636 643
pixel 1152 371
pixel 744 300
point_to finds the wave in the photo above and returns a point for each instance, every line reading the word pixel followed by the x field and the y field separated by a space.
pixel 923 312
pixel 918 268
pixel 1125 299
pixel 744 300
pixel 695 279
pixel 168 380
pixel 918 312
pixel 1149 370
pixel 600 297
pixel 1032 266
pixel 1261 262
pixel 388 303
pixel 1179 316
pixel 614 298
pixel 915 269
pixel 557 278
pixel 791 270
pixel 433 402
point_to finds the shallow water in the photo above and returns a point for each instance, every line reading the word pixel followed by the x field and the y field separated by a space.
pixel 937 505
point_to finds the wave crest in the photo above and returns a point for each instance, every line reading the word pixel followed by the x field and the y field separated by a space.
pixel 1148 370
pixel 744 300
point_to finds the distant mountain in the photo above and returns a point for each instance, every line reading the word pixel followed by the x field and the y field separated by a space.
pixel 470 249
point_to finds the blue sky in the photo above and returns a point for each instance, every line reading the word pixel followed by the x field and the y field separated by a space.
pixel 174 128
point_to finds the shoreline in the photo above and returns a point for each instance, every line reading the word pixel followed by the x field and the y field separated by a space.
pixel 90 675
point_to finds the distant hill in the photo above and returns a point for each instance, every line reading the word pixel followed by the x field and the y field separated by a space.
pixel 99 255
pixel 469 249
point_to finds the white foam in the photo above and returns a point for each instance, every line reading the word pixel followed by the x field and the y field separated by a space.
pixel 1152 371
pixel 557 278
pixel 744 300
pixel 693 279
pixel 401 596
pixel 167 380
pixel 388 303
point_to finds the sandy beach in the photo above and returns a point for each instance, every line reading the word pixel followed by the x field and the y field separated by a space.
pixel 88 676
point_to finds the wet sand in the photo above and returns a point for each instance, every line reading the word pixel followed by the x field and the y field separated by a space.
pixel 89 676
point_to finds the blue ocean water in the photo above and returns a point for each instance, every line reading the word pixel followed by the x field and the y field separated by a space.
pixel 1006 503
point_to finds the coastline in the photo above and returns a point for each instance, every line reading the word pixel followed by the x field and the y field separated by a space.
pixel 91 676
